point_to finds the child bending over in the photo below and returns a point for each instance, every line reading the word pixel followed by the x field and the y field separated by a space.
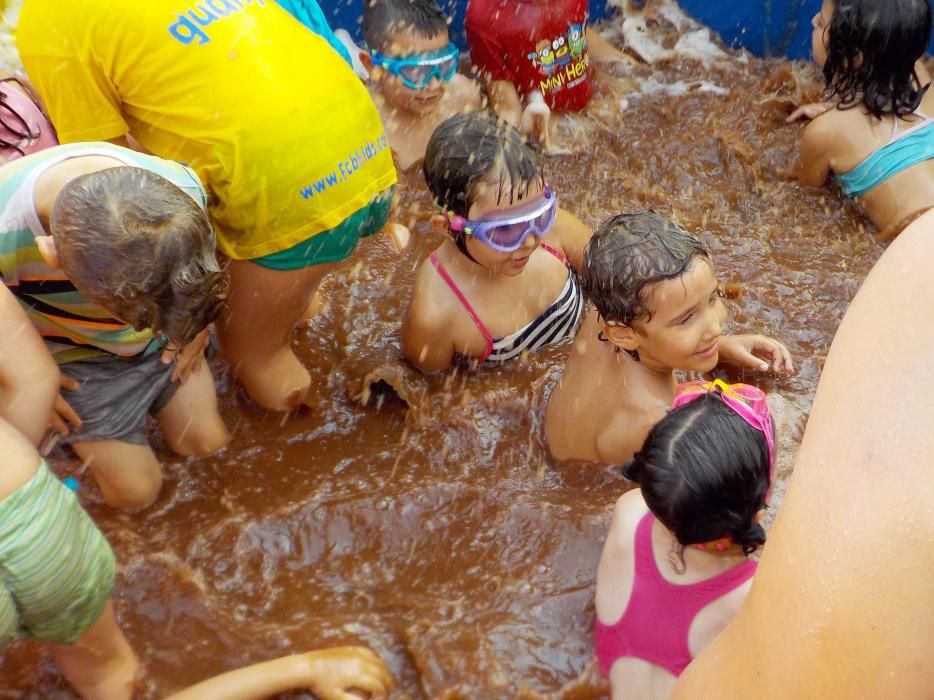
pixel 658 309
pixel 877 138
pixel 282 133
pixel 111 254
pixel 674 570
pixel 413 73
pixel 56 568
pixel 503 282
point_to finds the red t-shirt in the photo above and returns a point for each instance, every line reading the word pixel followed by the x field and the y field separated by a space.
pixel 537 45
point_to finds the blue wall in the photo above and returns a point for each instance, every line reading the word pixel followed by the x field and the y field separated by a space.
pixel 765 27
pixel 345 14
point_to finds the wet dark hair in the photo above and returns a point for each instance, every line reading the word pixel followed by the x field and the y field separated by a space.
pixel 140 247
pixel 630 252
pixel 472 149
pixel 704 473
pixel 872 47
pixel 383 18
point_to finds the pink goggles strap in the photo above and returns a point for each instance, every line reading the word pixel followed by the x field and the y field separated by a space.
pixel 747 401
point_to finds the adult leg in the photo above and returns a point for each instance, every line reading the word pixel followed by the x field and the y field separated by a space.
pixel 100 665
pixel 255 332
pixel 190 421
pixel 128 475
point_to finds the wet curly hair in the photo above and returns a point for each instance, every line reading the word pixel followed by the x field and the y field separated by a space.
pixel 872 48
pixel 704 473
pixel 477 148
pixel 630 252
pixel 136 244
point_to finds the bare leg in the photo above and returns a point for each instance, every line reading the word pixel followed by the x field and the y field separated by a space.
pixel 100 665
pixel 190 422
pixel 129 476
pixel 255 333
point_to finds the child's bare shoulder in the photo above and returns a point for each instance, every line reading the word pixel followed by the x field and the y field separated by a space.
pixel 628 511
pixel 431 305
pixel 625 431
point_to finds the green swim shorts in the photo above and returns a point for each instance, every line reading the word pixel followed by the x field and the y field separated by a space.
pixel 337 243
pixel 56 568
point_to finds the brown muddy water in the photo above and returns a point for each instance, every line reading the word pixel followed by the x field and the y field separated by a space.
pixel 443 536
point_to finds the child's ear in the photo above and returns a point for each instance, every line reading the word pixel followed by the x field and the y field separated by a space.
pixel 46 247
pixel 624 337
pixel 439 223
pixel 367 61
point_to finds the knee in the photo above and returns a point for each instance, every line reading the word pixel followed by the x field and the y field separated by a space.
pixel 133 495
pixel 281 384
pixel 205 441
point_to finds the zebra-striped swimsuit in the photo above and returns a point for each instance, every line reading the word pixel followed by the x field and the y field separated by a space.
pixel 557 322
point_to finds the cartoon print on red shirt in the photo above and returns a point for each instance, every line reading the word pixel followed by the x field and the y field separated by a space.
pixel 551 56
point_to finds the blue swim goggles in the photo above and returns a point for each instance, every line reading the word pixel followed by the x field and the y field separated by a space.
pixel 417 70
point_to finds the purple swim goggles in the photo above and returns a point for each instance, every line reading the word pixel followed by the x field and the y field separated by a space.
pixel 507 232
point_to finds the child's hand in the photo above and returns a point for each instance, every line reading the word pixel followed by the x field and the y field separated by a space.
pixel 809 111
pixel 62 412
pixel 742 351
pixel 187 360
pixel 335 673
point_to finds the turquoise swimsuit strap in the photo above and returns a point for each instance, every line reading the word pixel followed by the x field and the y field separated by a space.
pixel 902 153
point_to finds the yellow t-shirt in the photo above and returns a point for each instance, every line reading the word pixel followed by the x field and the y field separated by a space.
pixel 273 121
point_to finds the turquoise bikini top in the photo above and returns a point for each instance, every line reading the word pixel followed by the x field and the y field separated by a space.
pixel 913 146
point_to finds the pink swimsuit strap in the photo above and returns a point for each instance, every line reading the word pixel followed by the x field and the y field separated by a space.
pixel 461 297
pixel 656 624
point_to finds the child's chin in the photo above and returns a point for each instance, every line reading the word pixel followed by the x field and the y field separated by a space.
pixel 707 364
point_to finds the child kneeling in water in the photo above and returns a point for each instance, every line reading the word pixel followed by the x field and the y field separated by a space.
pixel 494 289
pixel 674 571
pixel 877 138
pixel 658 309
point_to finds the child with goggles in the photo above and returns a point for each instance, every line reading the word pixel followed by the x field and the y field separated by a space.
pixel 674 568
pixel 658 309
pixel 413 73
pixel 503 283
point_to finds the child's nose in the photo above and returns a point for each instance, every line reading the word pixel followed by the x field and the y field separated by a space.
pixel 814 20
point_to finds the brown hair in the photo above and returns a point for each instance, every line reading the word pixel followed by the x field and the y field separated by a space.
pixel 140 247
pixel 630 252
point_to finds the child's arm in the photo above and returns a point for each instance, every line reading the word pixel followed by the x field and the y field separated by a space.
pixel 330 674
pixel 814 165
pixel 505 101
pixel 601 50
pixel 742 351
pixel 29 378
pixel 424 339
pixel 573 235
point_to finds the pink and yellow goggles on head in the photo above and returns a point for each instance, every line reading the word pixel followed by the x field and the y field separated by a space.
pixel 506 232
pixel 747 401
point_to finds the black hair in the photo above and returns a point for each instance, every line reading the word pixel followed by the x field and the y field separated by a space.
pixel 872 48
pixel 471 149
pixel 630 252
pixel 704 473
pixel 383 18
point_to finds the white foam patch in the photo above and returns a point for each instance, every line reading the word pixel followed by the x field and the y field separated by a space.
pixel 652 86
